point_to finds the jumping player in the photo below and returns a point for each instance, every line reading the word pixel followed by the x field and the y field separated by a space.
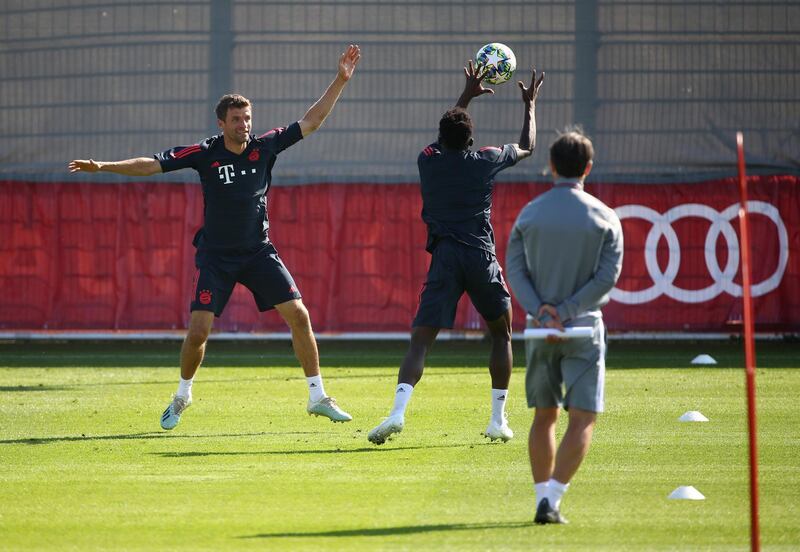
pixel 233 245
pixel 564 258
pixel 456 205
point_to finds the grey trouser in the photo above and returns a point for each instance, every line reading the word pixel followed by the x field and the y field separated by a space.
pixel 570 373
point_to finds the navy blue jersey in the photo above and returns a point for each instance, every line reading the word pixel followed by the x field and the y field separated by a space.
pixel 457 192
pixel 234 186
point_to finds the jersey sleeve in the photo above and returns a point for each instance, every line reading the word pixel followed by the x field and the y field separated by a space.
pixel 278 139
pixel 179 157
pixel 496 159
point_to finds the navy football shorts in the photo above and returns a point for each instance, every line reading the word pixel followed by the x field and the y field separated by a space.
pixel 456 268
pixel 262 271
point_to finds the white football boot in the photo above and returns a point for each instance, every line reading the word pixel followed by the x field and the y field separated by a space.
pixel 392 424
pixel 172 415
pixel 328 408
pixel 499 431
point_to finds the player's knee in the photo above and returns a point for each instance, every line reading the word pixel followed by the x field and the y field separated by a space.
pixel 422 338
pixel 197 336
pixel 501 334
pixel 500 329
pixel 295 314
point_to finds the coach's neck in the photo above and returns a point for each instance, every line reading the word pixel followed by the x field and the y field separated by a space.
pixel 560 181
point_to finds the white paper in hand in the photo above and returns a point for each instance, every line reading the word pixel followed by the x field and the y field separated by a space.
pixel 568 333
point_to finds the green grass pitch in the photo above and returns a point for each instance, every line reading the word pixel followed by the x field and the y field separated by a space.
pixel 85 466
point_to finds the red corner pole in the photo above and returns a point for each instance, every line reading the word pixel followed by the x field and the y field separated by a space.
pixel 749 348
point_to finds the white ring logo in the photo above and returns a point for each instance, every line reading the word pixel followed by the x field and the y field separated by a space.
pixel 663 282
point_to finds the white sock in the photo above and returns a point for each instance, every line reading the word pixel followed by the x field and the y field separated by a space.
pixel 540 491
pixel 401 397
pixel 316 391
pixel 185 387
pixel 555 490
pixel 499 405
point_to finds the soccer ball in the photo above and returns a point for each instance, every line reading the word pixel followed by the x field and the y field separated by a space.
pixel 500 61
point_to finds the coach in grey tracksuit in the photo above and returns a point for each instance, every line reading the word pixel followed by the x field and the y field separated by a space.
pixel 564 257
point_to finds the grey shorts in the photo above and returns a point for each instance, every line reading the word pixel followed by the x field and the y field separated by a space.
pixel 566 374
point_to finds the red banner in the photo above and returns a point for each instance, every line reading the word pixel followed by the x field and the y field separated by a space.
pixel 119 256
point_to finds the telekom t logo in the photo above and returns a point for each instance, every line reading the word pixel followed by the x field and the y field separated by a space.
pixel 226 173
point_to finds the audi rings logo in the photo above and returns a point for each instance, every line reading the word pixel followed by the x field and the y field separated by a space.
pixel 664 282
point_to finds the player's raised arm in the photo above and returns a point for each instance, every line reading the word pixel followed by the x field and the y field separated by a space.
pixel 317 113
pixel 139 166
pixel 473 87
pixel 527 139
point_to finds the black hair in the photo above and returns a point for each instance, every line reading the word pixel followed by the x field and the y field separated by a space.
pixel 571 153
pixel 455 129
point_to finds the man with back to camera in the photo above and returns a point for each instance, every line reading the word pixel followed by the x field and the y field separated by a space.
pixel 456 186
pixel 564 257
pixel 233 245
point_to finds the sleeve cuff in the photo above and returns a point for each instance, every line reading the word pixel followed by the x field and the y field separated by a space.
pixel 545 318
pixel 562 313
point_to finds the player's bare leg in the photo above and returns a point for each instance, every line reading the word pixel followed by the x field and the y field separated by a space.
pixel 192 353
pixel 422 338
pixel 501 357
pixel 305 349
pixel 500 363
pixel 194 344
pixel 295 314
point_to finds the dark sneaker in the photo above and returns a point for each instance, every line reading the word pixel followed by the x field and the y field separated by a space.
pixel 546 514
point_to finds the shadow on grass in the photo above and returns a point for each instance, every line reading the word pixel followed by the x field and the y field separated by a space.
pixel 212 380
pixel 399 530
pixel 191 454
pixel 29 388
pixel 144 435
pixel 123 354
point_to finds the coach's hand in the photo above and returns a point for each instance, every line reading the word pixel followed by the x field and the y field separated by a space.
pixel 547 317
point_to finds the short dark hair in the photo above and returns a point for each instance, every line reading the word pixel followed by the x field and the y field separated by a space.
pixel 455 129
pixel 230 100
pixel 571 153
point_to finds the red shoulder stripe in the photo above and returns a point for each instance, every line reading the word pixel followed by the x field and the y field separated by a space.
pixel 187 151
pixel 490 148
pixel 276 129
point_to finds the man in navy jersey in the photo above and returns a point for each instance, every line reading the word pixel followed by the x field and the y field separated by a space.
pixel 456 205
pixel 233 244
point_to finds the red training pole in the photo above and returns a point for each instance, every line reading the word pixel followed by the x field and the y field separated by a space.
pixel 749 348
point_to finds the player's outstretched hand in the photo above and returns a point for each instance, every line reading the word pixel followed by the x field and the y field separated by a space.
pixel 474 85
pixel 84 165
pixel 348 61
pixel 529 94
